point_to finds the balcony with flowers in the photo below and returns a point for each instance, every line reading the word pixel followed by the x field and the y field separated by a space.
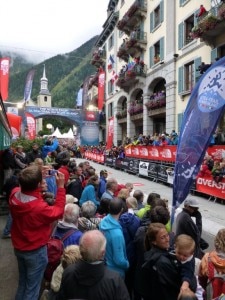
pixel 136 108
pixel 156 101
pixel 121 114
pixel 133 16
pixel 128 76
pixel 98 58
pixel 211 26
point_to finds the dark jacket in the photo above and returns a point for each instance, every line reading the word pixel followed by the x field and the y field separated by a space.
pixel 185 225
pixel 161 276
pixel 32 155
pixel 87 281
pixel 130 224
pixel 8 161
pixel 74 187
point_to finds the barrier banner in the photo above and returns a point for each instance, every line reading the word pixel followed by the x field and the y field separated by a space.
pixel 208 186
pixel 164 153
pixel 133 166
pixel 162 173
pixel 122 163
pixel 143 168
pixel 153 170
pixel 110 161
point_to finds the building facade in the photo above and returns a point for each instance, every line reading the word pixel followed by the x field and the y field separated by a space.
pixel 153 53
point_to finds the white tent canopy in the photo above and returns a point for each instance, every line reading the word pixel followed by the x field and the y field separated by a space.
pixel 57 133
pixel 68 135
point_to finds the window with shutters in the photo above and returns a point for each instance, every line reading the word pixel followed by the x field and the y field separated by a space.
pixel 111 42
pixel 189 76
pixel 183 2
pixel 157 52
pixel 157 16
pixel 184 29
pixel 110 87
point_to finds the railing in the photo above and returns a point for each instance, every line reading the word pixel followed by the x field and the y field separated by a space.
pixel 121 114
pixel 137 6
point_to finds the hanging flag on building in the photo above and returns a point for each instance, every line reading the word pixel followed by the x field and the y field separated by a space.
pixel 101 88
pixel 4 77
pixel 203 112
pixel 130 63
pixel 111 62
pixel 114 76
pixel 110 133
pixel 28 85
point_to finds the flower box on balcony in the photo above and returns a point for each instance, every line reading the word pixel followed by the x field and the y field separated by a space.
pixel 209 22
pixel 121 114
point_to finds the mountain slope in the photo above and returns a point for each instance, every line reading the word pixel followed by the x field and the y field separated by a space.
pixel 65 74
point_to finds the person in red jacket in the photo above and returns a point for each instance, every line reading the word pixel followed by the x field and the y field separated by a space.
pixel 31 228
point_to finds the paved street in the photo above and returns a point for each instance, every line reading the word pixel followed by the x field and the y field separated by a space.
pixel 213 220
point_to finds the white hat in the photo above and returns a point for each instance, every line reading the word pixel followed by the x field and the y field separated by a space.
pixel 71 199
pixel 191 203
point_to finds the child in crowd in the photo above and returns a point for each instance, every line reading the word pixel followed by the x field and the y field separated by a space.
pixel 184 251
pixel 71 254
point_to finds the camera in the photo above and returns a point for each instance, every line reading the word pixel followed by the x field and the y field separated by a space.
pixel 52 172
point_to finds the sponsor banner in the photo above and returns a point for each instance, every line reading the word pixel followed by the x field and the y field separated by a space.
pixel 15 124
pixel 162 173
pixel 143 168
pixel 110 133
pixel 164 153
pixel 31 125
pixel 28 85
pixel 101 89
pixel 170 175
pixel 153 170
pixel 133 166
pixel 122 163
pixel 4 77
pixel 208 186
pixel 200 119
pixel 110 161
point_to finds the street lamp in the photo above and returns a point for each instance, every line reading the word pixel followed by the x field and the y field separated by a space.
pixel 49 126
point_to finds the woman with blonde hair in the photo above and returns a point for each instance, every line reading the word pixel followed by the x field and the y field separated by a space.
pixel 212 268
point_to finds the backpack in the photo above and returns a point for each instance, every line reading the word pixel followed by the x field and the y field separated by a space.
pixel 55 249
pixel 216 280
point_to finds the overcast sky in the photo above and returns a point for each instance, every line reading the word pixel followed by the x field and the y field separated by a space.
pixel 45 28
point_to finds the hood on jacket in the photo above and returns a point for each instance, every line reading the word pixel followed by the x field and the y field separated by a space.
pixel 127 219
pixel 21 202
pixel 109 223
pixel 88 274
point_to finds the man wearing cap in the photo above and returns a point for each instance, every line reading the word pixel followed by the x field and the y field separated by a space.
pixel 102 183
pixel 185 224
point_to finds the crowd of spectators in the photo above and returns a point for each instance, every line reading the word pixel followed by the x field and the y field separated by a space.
pixel 137 256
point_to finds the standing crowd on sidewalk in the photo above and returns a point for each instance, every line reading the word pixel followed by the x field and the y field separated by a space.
pixel 114 245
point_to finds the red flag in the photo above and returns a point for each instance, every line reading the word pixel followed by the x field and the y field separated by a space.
pixel 114 76
pixel 15 124
pixel 31 126
pixel 101 89
pixel 4 77
pixel 109 143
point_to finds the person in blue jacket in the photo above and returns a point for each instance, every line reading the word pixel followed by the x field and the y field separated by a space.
pixel 50 145
pixel 90 190
pixel 116 257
